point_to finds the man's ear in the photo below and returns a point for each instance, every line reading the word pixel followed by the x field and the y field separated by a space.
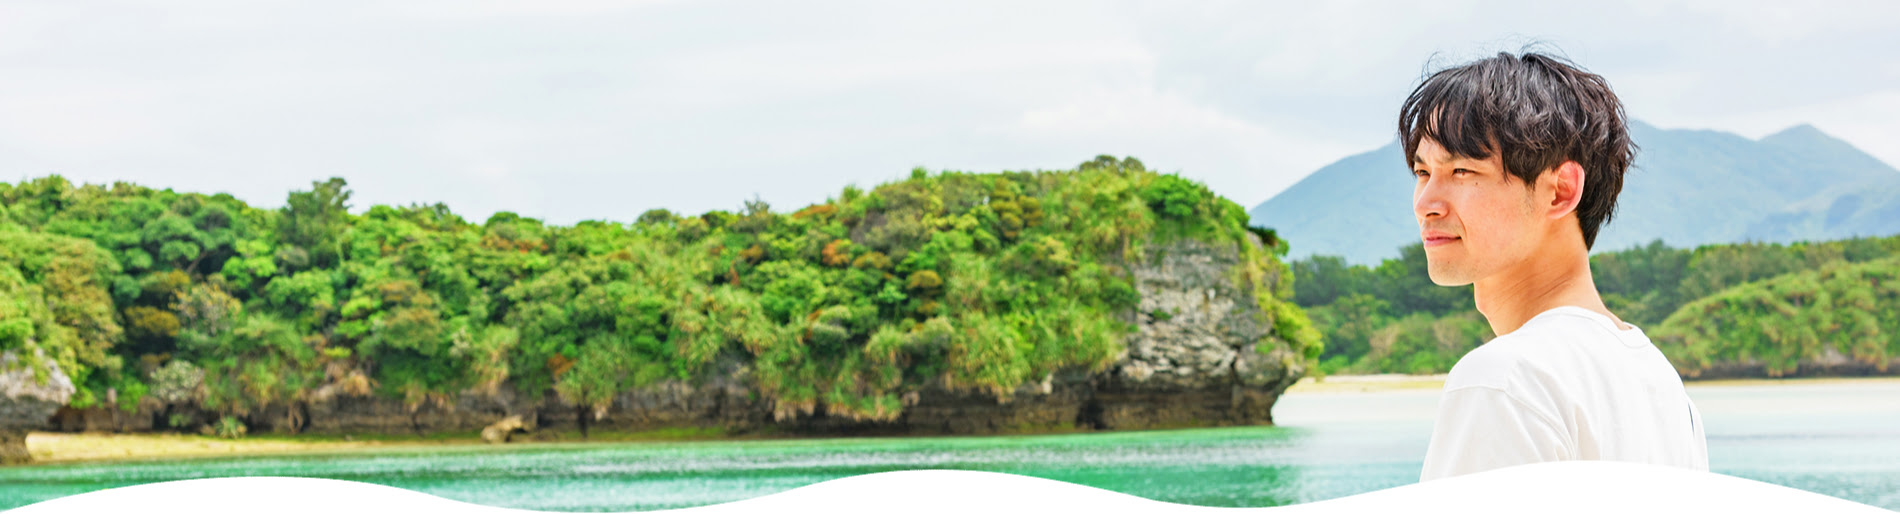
pixel 1568 189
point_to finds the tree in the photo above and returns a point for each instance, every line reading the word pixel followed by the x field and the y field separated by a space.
pixel 314 220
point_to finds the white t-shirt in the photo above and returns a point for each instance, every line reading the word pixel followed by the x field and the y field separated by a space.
pixel 1568 385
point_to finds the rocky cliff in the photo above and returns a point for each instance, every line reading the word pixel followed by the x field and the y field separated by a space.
pixel 26 400
pixel 1204 354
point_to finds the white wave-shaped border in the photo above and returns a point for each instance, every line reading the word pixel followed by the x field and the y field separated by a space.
pixel 1569 486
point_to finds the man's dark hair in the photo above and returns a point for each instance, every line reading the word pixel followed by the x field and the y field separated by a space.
pixel 1539 111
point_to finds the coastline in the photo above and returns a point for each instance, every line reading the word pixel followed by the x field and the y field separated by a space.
pixel 79 447
pixel 54 448
pixel 1350 384
pixel 1396 382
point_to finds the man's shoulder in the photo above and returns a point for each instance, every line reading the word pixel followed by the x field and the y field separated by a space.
pixel 1530 354
pixel 1499 364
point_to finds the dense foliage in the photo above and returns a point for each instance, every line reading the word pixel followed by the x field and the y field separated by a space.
pixel 1851 309
pixel 1392 319
pixel 969 282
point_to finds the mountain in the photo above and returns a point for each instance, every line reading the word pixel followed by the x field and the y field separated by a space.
pixel 1687 187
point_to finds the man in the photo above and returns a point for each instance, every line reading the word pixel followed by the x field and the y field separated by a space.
pixel 1518 161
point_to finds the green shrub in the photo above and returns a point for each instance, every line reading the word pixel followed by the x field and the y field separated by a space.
pixel 230 427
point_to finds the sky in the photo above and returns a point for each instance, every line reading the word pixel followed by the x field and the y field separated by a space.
pixel 568 110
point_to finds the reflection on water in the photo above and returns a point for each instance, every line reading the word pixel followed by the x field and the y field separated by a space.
pixel 1836 439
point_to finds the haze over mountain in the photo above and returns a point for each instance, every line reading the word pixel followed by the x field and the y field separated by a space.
pixel 1687 187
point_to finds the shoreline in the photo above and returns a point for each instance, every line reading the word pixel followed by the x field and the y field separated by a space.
pixel 57 448
pixel 1346 384
pixel 53 448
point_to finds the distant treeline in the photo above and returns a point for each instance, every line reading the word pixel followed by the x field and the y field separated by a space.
pixel 971 282
pixel 1754 304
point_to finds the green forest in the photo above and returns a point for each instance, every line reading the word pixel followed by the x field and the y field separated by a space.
pixel 969 282
pixel 1716 305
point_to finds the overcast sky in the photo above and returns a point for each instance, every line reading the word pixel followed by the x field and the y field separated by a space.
pixel 571 110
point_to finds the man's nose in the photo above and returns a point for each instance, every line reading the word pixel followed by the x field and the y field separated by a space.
pixel 1428 199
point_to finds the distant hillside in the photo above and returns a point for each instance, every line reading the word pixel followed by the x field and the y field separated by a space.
pixel 1688 187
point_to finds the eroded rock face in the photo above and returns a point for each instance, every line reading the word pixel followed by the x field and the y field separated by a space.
pixel 1204 354
pixel 26 403
pixel 1193 321
pixel 347 414
pixel 504 430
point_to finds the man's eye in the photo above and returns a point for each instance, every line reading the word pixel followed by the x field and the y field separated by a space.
pixel 1462 171
pixel 1421 173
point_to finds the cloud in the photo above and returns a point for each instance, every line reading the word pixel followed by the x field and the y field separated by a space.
pixel 1244 160
pixel 589 109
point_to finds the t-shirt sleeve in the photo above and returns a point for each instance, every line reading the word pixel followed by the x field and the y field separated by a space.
pixel 1481 428
pixel 1700 457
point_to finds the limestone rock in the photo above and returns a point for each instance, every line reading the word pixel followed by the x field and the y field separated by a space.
pixel 1204 352
pixel 503 431
pixel 1193 318
pixel 26 403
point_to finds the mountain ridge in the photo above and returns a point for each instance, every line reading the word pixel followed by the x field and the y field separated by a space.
pixel 1688 187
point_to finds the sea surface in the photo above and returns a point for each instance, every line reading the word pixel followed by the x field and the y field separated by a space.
pixel 1836 438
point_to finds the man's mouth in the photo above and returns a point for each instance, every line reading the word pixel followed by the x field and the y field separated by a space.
pixel 1438 239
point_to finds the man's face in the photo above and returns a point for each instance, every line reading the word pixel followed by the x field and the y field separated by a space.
pixel 1474 218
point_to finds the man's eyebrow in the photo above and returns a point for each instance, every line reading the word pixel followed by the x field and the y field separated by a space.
pixel 1449 159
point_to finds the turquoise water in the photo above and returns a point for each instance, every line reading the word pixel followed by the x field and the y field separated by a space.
pixel 1837 439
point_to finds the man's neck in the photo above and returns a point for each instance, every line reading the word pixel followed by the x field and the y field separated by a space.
pixel 1548 279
